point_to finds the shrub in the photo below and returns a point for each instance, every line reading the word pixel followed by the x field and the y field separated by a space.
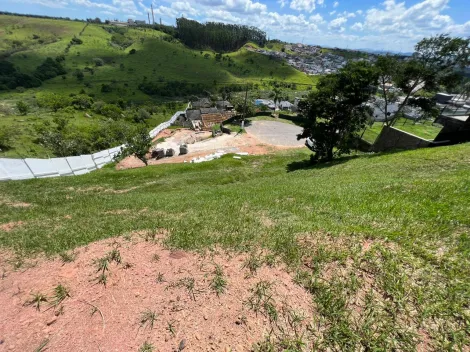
pixel 98 106
pixel 142 115
pixel 49 69
pixel 22 107
pixel 82 102
pixel 111 111
pixel 106 88
pixel 6 136
pixel 98 61
pixel 79 75
pixel 76 41
pixel 52 101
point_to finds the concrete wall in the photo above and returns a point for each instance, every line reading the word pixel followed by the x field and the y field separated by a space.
pixel 392 138
pixel 22 169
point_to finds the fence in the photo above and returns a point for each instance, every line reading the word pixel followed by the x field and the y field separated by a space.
pixel 22 169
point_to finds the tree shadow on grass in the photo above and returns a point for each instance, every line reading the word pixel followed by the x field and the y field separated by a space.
pixel 306 164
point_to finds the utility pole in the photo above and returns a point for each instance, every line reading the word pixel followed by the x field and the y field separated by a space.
pixel 148 14
pixel 153 16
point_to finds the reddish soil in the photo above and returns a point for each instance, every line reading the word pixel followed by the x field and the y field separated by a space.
pixel 208 323
pixel 242 143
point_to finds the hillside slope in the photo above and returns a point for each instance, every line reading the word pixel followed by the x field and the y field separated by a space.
pixel 367 236
pixel 155 58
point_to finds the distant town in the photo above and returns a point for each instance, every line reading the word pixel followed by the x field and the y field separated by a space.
pixel 315 60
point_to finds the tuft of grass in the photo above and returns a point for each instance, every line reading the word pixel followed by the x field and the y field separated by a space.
pixel 262 301
pixel 67 257
pixel 253 263
pixel 42 346
pixel 218 282
pixel 148 318
pixel 160 278
pixel 189 284
pixel 60 294
pixel 171 328
pixel 114 256
pixel 37 300
pixel 147 347
pixel 155 258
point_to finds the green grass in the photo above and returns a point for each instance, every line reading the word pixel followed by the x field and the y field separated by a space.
pixel 425 129
pixel 381 241
pixel 372 132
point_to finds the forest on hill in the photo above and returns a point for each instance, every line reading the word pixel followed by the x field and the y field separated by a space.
pixel 217 36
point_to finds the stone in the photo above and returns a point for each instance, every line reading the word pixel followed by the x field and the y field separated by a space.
pixel 170 152
pixel 183 149
pixel 51 321
pixel 158 153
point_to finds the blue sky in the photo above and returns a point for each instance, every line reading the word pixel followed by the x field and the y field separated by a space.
pixel 381 25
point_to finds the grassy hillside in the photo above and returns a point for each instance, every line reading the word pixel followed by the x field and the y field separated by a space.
pixel 155 59
pixel 380 241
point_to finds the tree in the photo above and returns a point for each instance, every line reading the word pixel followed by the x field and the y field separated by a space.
pixel 138 145
pixel 79 75
pixel 388 68
pixel 276 94
pixel 435 62
pixel 22 107
pixel 337 111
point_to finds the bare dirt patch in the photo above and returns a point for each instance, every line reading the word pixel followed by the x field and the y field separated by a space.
pixel 201 144
pixel 14 204
pixel 148 278
pixel 10 226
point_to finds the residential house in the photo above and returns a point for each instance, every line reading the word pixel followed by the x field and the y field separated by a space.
pixel 286 106
pixel 224 105
pixel 202 103
pixel 264 102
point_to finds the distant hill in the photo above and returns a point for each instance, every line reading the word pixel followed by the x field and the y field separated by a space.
pixel 106 57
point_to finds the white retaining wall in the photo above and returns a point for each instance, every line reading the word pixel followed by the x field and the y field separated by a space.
pixel 22 169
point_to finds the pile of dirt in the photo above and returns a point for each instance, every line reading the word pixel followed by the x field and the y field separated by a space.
pixel 123 293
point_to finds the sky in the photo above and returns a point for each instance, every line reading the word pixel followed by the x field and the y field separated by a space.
pixel 355 24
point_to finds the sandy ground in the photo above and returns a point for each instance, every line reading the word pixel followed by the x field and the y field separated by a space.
pixel 202 143
pixel 107 318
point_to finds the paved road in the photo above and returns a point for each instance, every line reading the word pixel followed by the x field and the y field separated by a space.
pixel 276 133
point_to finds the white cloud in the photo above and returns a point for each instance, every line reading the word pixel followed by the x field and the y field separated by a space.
pixel 421 18
pixel 357 26
pixel 337 24
pixel 336 4
pixel 165 11
pixel 183 7
pixel 316 18
pixel 332 13
pixel 347 14
pixel 305 5
pixel 359 12
pixel 282 3
pixel 222 15
pixel 47 3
